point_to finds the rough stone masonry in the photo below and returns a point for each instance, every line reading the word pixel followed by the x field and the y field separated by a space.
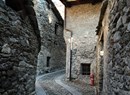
pixel 117 57
pixel 18 53
pixel 52 54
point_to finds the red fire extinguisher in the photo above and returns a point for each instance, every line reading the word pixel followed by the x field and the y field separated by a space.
pixel 92 79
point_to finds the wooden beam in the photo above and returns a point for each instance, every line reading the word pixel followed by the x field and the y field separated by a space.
pixel 77 2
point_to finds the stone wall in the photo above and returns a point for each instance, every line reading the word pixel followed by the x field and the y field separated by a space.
pixel 25 8
pixel 51 30
pixel 81 22
pixel 18 53
pixel 100 48
pixel 116 79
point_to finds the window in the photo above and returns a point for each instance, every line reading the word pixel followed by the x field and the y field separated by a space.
pixel 56 27
pixel 48 61
pixel 85 69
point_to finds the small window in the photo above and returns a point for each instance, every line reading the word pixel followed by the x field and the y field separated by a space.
pixel 48 61
pixel 56 27
pixel 85 69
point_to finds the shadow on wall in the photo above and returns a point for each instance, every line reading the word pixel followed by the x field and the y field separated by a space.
pixel 25 8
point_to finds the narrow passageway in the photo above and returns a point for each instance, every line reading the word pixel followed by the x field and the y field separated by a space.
pixel 55 84
pixel 64 47
pixel 49 85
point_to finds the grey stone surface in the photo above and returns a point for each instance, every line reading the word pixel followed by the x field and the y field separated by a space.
pixel 53 44
pixel 81 21
pixel 47 82
pixel 16 56
pixel 128 27
pixel 70 89
pixel 24 64
pixel 6 48
pixel 128 2
pixel 56 84
pixel 82 85
pixel 119 23
pixel 117 36
pixel 116 75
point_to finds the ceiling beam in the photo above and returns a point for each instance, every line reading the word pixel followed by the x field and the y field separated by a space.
pixel 77 2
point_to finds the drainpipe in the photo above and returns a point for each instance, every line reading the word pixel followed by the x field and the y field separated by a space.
pixel 71 41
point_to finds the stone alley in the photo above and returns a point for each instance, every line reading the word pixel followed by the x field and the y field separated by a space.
pixel 55 84
pixel 64 47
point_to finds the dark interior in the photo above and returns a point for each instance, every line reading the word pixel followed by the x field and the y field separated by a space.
pixel 85 69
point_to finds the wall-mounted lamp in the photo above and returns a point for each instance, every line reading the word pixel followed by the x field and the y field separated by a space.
pixel 101 53
pixel 50 18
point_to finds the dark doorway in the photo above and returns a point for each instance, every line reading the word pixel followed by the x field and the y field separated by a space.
pixel 85 69
pixel 48 61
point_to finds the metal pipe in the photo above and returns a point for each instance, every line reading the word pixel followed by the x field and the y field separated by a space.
pixel 71 41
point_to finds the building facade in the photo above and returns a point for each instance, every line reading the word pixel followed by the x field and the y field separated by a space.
pixel 50 22
pixel 112 68
pixel 80 36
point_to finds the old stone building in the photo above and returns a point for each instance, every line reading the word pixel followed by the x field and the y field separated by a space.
pixel 21 39
pixel 113 47
pixel 52 54
pixel 81 19
pixel 18 52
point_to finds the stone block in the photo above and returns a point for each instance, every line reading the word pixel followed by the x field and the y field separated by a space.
pixel 124 19
pixel 24 64
pixel 125 9
pixel 127 71
pixel 6 48
pixel 117 36
pixel 121 4
pixel 117 47
pixel 128 10
pixel 14 40
pixel 128 27
pixel 128 2
pixel 119 23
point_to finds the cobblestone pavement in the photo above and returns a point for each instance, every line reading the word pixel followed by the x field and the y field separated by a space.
pixel 51 87
pixel 81 85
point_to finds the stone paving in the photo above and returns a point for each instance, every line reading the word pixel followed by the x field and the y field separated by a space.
pixel 81 85
pixel 58 80
pixel 56 84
